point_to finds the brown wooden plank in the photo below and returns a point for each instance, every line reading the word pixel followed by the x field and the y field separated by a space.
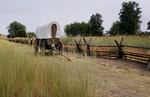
pixel 136 47
pixel 137 54
pixel 137 58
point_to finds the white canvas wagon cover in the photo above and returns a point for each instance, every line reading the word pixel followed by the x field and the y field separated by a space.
pixel 44 32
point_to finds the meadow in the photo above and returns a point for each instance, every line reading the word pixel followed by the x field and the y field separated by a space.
pixel 139 41
pixel 23 74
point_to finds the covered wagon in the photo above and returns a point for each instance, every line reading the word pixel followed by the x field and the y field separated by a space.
pixel 48 38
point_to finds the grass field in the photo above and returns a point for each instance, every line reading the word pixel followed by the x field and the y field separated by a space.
pixel 22 74
pixel 140 41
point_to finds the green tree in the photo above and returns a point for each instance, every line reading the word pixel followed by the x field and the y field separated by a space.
pixel 148 25
pixel 16 29
pixel 95 25
pixel 30 34
pixel 115 29
pixel 76 28
pixel 130 18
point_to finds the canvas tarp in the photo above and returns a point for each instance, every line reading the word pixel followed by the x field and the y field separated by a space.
pixel 44 32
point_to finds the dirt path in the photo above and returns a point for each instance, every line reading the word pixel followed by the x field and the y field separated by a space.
pixel 118 78
pixel 121 78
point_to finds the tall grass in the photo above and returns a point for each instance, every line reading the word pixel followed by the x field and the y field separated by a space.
pixel 22 74
pixel 140 41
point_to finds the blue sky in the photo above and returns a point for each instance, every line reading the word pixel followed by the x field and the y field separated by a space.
pixel 33 13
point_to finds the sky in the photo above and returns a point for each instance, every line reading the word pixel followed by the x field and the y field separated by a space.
pixel 34 13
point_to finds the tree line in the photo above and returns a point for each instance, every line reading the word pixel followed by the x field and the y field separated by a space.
pixel 92 28
pixel 128 24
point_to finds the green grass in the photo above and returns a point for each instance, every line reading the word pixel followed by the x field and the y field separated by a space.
pixel 140 41
pixel 24 75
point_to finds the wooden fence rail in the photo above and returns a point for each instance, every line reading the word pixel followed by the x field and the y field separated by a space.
pixel 129 52
pixel 141 54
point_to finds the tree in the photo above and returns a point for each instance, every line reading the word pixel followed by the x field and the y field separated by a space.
pixel 76 28
pixel 92 28
pixel 130 16
pixel 115 29
pixel 30 34
pixel 95 25
pixel 16 29
pixel 148 25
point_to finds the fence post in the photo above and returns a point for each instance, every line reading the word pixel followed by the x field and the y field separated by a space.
pixel 78 46
pixel 120 53
pixel 148 66
pixel 88 50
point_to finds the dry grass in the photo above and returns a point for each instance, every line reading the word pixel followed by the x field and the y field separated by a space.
pixel 141 41
pixel 22 74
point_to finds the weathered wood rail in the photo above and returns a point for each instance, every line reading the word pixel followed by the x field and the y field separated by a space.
pixel 138 54
pixel 135 53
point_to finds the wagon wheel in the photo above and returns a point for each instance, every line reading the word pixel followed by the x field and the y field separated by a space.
pixel 36 46
pixel 35 49
pixel 59 46
pixel 42 47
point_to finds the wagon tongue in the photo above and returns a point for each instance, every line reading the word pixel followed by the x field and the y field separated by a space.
pixel 62 54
